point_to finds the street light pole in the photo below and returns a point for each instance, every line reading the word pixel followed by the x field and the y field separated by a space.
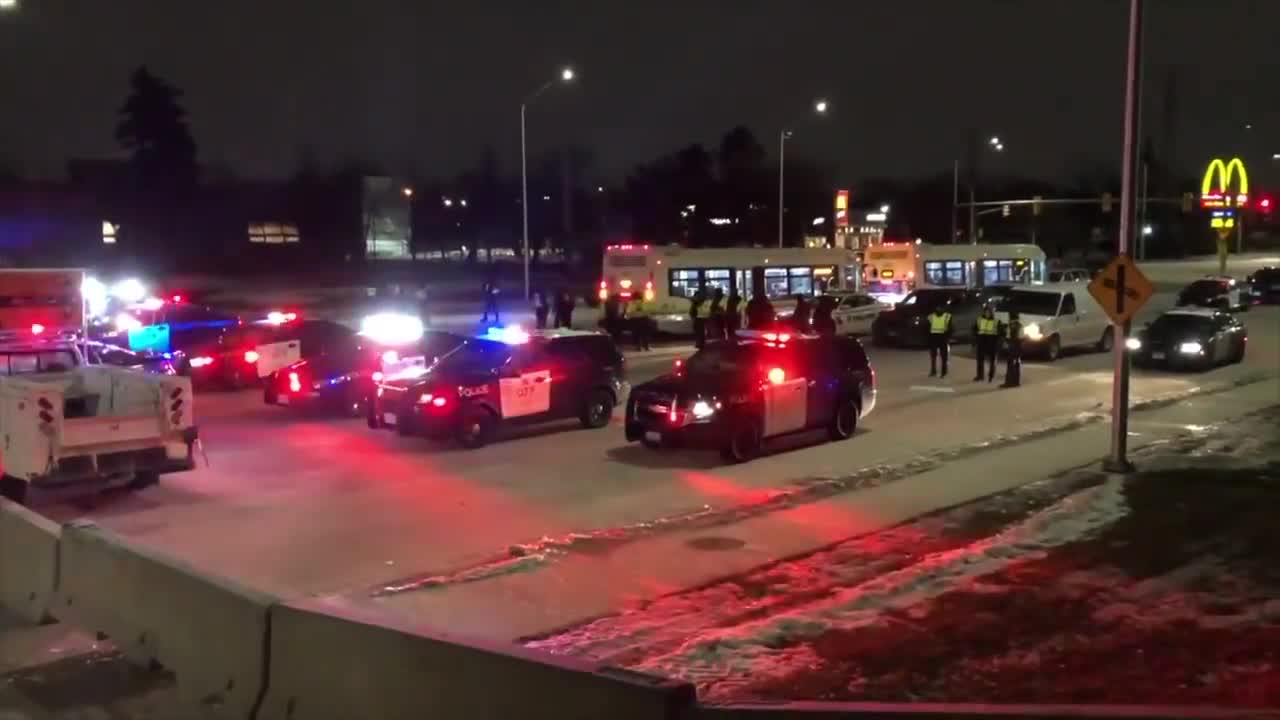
pixel 1118 461
pixel 524 198
pixel 566 75
pixel 955 197
pixel 782 162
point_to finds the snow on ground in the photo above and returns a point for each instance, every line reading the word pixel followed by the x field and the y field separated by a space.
pixel 1157 588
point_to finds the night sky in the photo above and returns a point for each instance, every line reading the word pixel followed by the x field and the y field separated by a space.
pixel 422 85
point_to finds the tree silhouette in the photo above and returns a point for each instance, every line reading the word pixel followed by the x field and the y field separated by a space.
pixel 153 127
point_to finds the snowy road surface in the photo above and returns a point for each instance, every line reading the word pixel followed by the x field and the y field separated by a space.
pixel 1160 588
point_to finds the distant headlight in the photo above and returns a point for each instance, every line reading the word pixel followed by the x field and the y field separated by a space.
pixel 1032 331
pixel 1191 348
pixel 702 409
pixel 1133 343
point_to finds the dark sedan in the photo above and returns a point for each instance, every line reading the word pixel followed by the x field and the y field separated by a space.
pixel 1190 339
pixel 1218 293
pixel 1264 286
pixel 907 324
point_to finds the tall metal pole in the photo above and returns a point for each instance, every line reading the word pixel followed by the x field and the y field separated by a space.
pixel 973 216
pixel 524 200
pixel 1118 460
pixel 782 161
pixel 955 197
pixel 1142 214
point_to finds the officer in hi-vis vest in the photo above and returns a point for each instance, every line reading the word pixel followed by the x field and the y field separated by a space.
pixel 986 337
pixel 939 339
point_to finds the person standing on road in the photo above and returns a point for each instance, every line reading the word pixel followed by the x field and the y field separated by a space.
pixel 540 310
pixel 986 337
pixel 1013 351
pixel 824 322
pixel 490 290
pixel 716 324
pixel 733 315
pixel 939 339
pixel 564 309
pixel 699 312
pixel 613 317
pixel 640 322
pixel 800 318
pixel 760 314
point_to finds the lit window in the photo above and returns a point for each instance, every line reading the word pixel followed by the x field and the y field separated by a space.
pixel 273 233
pixel 109 231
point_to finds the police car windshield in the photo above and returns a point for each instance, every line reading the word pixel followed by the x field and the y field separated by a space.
pixel 26 363
pixel 1181 324
pixel 475 355
pixel 1027 302
pixel 721 358
pixel 928 299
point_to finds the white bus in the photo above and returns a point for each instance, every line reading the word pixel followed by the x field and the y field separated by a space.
pixel 669 275
pixel 892 270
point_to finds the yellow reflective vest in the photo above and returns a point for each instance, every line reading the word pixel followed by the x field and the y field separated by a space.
pixel 938 324
pixel 987 326
pixel 638 308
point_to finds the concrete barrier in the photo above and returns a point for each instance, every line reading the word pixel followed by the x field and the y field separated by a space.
pixel 28 562
pixel 209 632
pixel 330 659
pixel 970 711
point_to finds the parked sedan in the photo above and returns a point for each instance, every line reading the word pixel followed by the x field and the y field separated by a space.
pixel 1190 338
pixel 1264 286
pixel 1219 293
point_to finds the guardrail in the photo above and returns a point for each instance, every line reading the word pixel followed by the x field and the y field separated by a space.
pixel 237 653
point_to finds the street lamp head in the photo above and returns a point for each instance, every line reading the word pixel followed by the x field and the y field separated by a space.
pixel 6 5
pixel 995 140
pixel 463 202
pixel 567 74
pixel 821 107
pixel 884 209
pixel 1000 147
pixel 448 202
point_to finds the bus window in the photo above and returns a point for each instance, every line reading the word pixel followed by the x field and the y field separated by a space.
pixel 684 283
pixel 775 282
pixel 825 279
pixel 944 273
pixel 717 278
pixel 801 281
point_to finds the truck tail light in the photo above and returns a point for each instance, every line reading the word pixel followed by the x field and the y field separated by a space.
pixel 295 383
pixel 251 356
pixel 777 376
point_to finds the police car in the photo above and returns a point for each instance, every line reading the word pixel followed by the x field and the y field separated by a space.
pixel 338 371
pixel 735 395
pixel 505 376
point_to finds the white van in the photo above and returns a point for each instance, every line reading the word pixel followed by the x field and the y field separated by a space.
pixel 1057 316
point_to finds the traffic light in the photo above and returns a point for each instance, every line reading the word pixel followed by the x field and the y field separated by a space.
pixel 1106 202
pixel 1035 204
pixel 1004 210
pixel 1188 202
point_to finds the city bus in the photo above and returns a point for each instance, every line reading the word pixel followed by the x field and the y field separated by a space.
pixel 893 269
pixel 669 275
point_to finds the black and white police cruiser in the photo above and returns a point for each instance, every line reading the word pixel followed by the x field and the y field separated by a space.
pixel 734 395
pixel 505 376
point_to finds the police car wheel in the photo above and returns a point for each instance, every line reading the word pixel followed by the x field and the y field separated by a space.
pixel 744 443
pixel 13 489
pixel 1053 349
pixel 845 420
pixel 475 428
pixel 597 410
pixel 1107 341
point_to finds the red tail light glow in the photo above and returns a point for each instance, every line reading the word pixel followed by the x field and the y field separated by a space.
pixel 439 401
pixel 377 376
pixel 777 376
pixel 251 356
pixel 36 329
pixel 199 362
pixel 295 384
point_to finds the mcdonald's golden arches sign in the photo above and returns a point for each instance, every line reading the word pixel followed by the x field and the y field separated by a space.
pixel 1225 184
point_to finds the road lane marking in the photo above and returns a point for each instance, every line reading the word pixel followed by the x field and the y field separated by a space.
pixel 933 388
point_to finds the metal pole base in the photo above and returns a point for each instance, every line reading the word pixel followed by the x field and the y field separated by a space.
pixel 1119 467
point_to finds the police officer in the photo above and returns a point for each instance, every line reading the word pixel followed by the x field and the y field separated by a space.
pixel 564 309
pixel 640 322
pixel 716 326
pixel 613 316
pixel 760 313
pixel 540 309
pixel 1013 351
pixel 824 322
pixel 939 339
pixel 986 337
pixel 490 290
pixel 700 311
pixel 800 317
pixel 733 315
